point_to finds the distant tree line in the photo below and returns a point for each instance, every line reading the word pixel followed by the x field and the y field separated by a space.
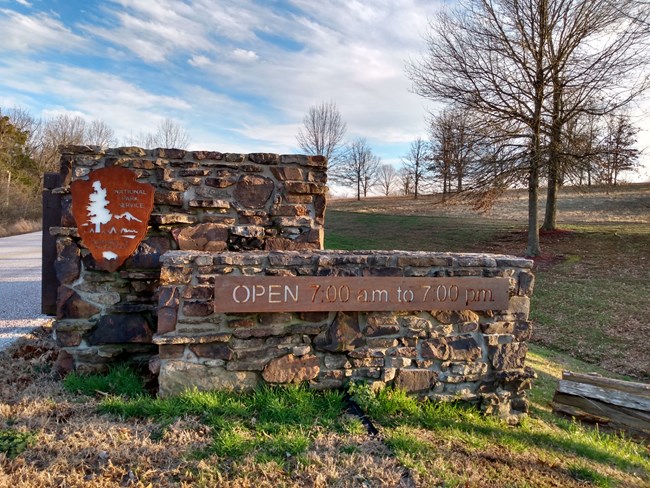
pixel 29 149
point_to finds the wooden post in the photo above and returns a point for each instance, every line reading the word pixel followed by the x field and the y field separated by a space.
pixel 51 218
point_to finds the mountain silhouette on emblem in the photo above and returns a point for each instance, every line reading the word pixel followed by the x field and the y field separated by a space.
pixel 126 215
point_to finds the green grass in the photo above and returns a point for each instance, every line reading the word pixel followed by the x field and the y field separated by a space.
pixel 347 230
pixel 270 423
pixel 403 418
pixel 120 380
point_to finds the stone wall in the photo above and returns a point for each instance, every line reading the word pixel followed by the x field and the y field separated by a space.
pixel 477 356
pixel 205 201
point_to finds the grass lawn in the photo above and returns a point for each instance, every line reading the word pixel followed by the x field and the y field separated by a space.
pixel 108 431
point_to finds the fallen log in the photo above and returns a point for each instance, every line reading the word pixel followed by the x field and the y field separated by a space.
pixel 617 404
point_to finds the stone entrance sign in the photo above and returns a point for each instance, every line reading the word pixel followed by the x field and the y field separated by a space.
pixel 327 293
pixel 112 211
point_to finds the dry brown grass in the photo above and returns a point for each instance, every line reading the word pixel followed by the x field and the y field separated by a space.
pixel 21 226
pixel 77 447
pixel 626 203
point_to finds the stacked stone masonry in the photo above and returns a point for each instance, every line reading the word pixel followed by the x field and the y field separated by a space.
pixel 204 201
pixel 475 356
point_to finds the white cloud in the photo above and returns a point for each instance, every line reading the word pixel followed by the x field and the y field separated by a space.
pixel 24 3
pixel 93 95
pixel 24 33
pixel 243 55
pixel 199 61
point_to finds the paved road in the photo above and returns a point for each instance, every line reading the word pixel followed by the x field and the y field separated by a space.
pixel 20 286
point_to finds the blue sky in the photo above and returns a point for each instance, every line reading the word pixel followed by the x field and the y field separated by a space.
pixel 239 75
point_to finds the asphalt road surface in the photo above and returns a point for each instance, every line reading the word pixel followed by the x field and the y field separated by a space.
pixel 20 286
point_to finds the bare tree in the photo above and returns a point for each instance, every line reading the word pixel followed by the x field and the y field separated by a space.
pixel 619 151
pixel 406 180
pixel 323 132
pixel 169 134
pixel 359 168
pixel 488 56
pixel 61 130
pixel 99 133
pixel 417 163
pixel 508 59
pixel 597 52
pixel 387 179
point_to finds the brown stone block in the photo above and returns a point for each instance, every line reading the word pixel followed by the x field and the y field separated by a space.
pixel 68 338
pixel 264 158
pixel 169 153
pixel 68 261
pixel 253 191
pixel 166 197
pixel 70 305
pixel 523 330
pixel 415 380
pixel 498 328
pixel 274 318
pixel 381 342
pixel 284 173
pixel 167 317
pixel 120 329
pixel 368 362
pixel 197 309
pixel 175 185
pixel 175 274
pixel 436 348
pixel 64 364
pixel 290 369
pixel 147 255
pixel 464 349
pixel 405 352
pixel 171 351
pixel 376 330
pixel 209 203
pixel 199 292
pixel 168 296
pixel 67 219
pixel 203 155
pixel 183 173
pixel 455 317
pixel 271 330
pixel 202 237
pixel 212 351
pixel 508 356
pixel 284 244
pixel 314 316
pixel 343 334
pixel 220 182
pixel 298 199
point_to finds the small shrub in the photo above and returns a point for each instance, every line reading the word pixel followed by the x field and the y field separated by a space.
pixel 13 442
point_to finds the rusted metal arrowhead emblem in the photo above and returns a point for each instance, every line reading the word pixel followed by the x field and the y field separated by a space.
pixel 112 213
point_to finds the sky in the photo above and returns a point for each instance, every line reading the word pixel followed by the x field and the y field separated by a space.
pixel 238 75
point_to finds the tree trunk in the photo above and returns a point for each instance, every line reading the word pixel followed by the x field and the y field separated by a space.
pixel 533 231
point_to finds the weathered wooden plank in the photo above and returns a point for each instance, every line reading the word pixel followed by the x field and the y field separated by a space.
pixel 641 389
pixel 633 421
pixel 607 395
pixel 51 218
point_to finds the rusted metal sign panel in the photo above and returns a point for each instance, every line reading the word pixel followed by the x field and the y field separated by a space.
pixel 325 293
pixel 112 213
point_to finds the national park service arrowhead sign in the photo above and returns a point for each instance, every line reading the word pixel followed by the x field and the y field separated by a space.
pixel 112 212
